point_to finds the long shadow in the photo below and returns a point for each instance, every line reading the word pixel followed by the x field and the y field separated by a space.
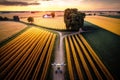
pixel 106 45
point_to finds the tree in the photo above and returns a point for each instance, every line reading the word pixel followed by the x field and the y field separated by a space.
pixel 53 14
pixel 1 18
pixel 5 19
pixel 81 19
pixel 73 19
pixel 16 18
pixel 30 19
pixel 67 17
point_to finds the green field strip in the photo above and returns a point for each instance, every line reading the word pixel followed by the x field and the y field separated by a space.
pixel 21 61
pixel 71 75
pixel 98 61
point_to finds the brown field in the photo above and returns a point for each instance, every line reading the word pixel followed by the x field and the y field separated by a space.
pixel 9 28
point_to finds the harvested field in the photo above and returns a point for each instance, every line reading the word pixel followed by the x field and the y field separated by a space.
pixel 110 24
pixel 9 28
pixel 53 23
pixel 27 56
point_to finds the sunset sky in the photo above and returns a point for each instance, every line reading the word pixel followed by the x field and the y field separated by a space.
pixel 53 5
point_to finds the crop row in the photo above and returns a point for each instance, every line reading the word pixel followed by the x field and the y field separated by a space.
pixel 27 56
pixel 82 61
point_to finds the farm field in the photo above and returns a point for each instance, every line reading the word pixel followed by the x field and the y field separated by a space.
pixel 52 23
pixel 115 16
pixel 9 28
pixel 83 63
pixel 92 54
pixel 106 45
pixel 27 56
pixel 109 24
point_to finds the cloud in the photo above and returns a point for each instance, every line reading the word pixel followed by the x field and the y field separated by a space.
pixel 17 3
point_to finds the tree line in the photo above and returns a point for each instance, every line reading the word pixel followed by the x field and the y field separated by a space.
pixel 15 18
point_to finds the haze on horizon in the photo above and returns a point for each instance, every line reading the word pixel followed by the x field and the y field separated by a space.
pixel 58 5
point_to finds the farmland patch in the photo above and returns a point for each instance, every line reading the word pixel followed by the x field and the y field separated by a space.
pixel 9 28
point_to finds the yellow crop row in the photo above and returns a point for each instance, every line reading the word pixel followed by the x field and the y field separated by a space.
pixel 110 24
pixel 41 58
pixel 75 60
pixel 13 43
pixel 30 62
pixel 81 56
pixel 97 60
pixel 90 61
pixel 21 61
pixel 69 60
pixel 23 57
pixel 81 51
pixel 48 58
